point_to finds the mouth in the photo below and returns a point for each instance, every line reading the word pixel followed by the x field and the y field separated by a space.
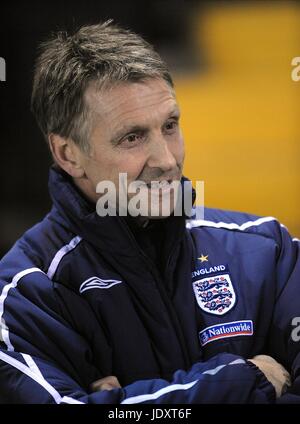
pixel 160 185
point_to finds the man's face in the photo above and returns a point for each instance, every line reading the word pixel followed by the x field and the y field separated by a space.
pixel 136 131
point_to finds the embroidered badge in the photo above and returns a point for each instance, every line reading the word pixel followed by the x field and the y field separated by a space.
pixel 97 283
pixel 227 329
pixel 215 294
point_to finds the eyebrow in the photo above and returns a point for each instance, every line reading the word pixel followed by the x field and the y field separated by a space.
pixel 139 128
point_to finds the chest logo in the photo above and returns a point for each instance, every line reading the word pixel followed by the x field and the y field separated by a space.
pixel 97 283
pixel 215 294
pixel 224 330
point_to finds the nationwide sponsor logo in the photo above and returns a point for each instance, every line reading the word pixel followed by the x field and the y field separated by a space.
pixel 215 294
pixel 97 283
pixel 227 329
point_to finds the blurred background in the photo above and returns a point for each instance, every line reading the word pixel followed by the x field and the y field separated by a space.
pixel 231 62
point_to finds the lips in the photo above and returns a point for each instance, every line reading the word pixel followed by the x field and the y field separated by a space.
pixel 156 185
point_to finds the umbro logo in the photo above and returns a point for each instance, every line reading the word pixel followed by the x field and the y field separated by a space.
pixel 97 283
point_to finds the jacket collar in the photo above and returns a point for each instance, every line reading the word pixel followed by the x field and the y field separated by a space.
pixel 111 234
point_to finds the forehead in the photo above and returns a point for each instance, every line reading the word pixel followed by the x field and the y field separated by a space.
pixel 128 101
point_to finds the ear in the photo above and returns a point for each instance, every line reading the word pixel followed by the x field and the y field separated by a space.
pixel 67 155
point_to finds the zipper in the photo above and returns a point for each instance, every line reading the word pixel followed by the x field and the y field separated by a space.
pixel 163 292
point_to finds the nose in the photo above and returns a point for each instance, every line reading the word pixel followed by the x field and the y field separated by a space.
pixel 160 155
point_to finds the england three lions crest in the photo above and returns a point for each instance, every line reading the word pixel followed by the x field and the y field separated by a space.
pixel 215 295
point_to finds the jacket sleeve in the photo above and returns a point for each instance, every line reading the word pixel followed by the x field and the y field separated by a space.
pixel 45 358
pixel 284 334
pixel 225 378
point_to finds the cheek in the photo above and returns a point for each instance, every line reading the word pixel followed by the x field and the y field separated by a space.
pixel 132 163
pixel 178 149
pixel 100 169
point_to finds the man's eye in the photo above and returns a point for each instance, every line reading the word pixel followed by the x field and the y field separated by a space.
pixel 171 125
pixel 132 138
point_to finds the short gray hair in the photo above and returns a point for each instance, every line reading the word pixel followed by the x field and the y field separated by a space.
pixel 66 64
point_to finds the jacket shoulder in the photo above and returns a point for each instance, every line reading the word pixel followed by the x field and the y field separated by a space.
pixel 234 221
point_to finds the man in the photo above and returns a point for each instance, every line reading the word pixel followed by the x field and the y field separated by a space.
pixel 153 308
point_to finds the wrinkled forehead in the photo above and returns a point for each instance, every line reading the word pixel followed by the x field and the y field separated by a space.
pixel 124 101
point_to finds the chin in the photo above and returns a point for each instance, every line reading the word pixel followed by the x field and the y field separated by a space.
pixel 156 218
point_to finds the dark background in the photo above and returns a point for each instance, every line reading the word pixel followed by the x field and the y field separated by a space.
pixel 23 25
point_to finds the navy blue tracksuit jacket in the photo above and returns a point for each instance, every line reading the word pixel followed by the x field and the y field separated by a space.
pixel 82 297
